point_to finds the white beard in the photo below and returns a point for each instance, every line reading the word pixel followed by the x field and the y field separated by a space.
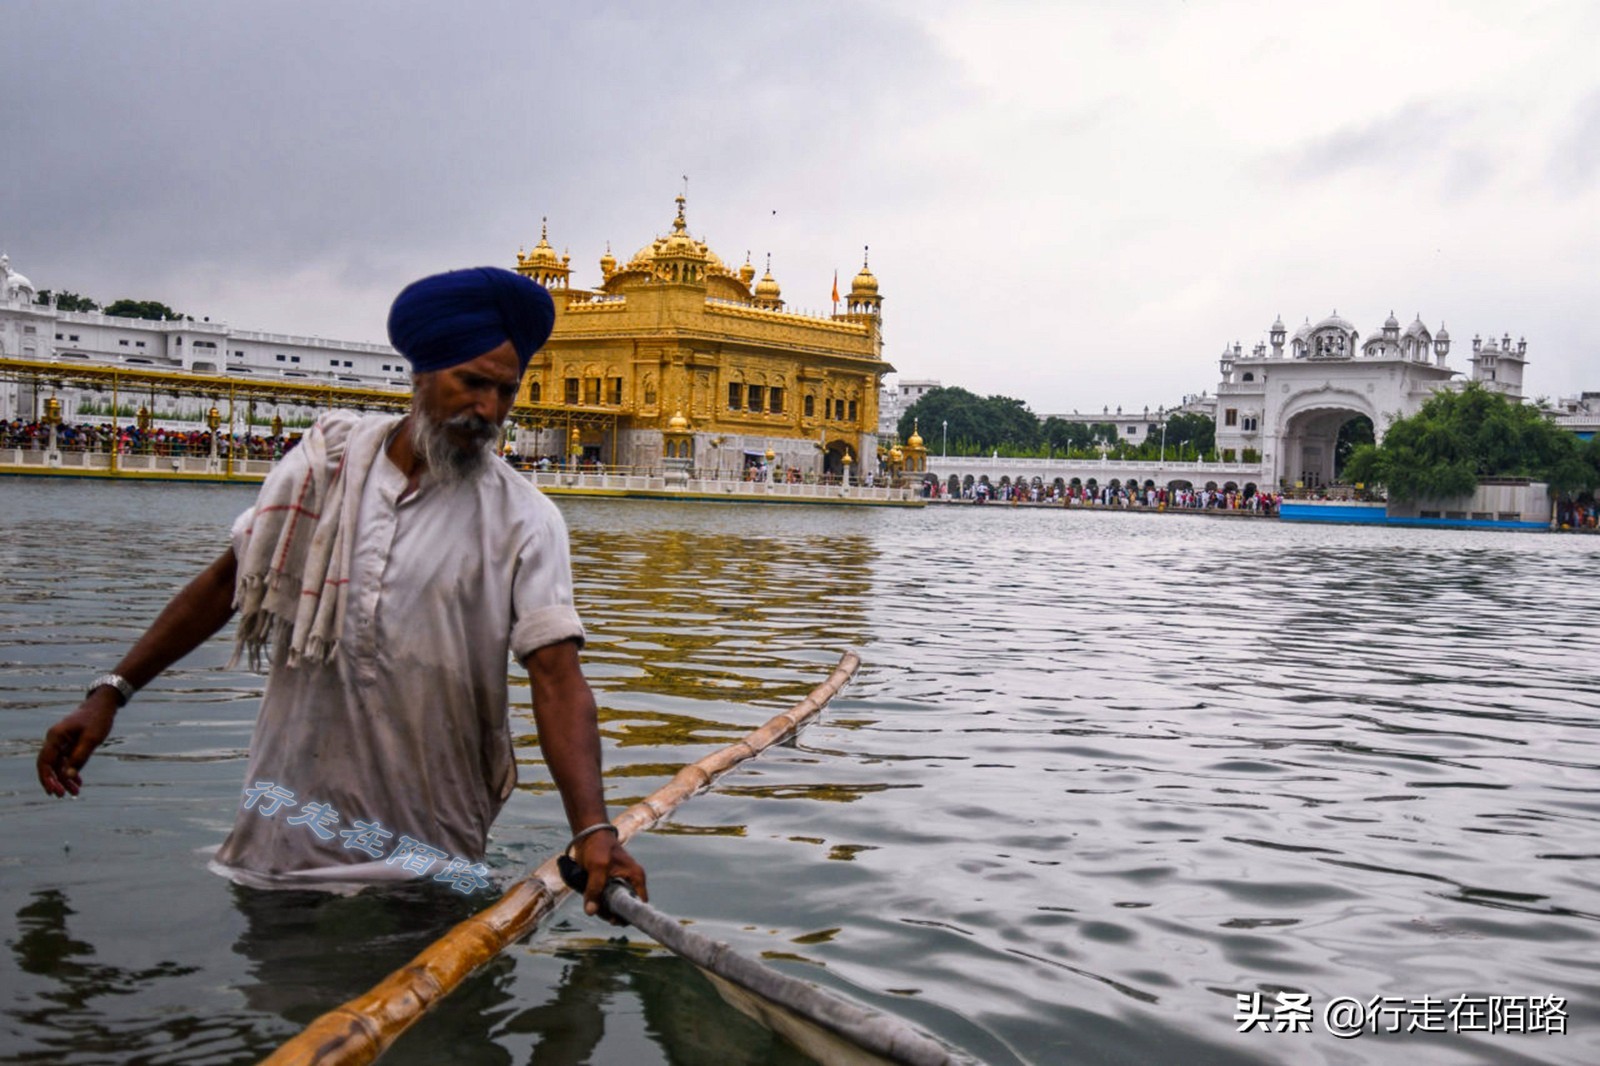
pixel 448 462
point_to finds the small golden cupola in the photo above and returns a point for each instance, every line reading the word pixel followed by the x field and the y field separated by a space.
pixel 864 298
pixel 542 264
pixel 916 455
pixel 768 294
pixel 679 257
pixel 608 263
pixel 747 272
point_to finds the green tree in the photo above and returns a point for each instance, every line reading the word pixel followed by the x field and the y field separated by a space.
pixel 67 301
pixel 1065 437
pixel 1457 438
pixel 152 310
pixel 975 424
pixel 1196 430
pixel 1352 435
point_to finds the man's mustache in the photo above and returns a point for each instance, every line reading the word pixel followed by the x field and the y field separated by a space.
pixel 474 427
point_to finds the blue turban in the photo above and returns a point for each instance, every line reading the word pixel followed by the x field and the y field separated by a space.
pixel 449 319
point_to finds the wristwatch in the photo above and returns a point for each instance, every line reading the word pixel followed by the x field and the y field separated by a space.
pixel 116 681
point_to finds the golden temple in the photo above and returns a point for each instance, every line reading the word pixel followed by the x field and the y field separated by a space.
pixel 683 351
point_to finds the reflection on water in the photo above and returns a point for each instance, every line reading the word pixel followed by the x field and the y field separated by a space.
pixel 1100 774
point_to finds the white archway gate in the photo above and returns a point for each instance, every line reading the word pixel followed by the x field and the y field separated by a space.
pixel 1308 433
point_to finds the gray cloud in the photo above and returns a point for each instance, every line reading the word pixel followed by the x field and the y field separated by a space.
pixel 1038 182
pixel 1406 139
pixel 1575 162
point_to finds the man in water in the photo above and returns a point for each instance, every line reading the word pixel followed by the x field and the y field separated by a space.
pixel 386 570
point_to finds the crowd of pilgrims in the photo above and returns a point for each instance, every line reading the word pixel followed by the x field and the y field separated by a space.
pixel 197 442
pixel 130 440
pixel 1574 514
pixel 1130 496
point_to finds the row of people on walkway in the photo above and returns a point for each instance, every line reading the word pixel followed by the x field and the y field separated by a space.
pixel 1209 499
pixel 130 440
pixel 1572 514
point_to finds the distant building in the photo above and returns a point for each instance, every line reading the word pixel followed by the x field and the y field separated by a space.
pixel 894 400
pixel 1581 413
pixel 41 332
pixel 1283 405
pixel 1132 426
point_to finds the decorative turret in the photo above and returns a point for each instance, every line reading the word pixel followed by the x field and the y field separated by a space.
pixel 679 257
pixel 1512 362
pixel 747 272
pixel 1276 334
pixel 768 294
pixel 1391 328
pixel 1441 345
pixel 864 298
pixel 542 264
pixel 608 263
pixel 677 448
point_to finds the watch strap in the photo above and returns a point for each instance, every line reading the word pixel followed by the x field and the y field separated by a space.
pixel 116 681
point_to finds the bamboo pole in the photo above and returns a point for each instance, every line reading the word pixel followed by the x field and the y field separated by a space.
pixel 363 1028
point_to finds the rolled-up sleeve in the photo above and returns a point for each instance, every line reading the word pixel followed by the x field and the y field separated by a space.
pixel 541 596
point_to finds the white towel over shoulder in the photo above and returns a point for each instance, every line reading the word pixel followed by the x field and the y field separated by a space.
pixel 294 566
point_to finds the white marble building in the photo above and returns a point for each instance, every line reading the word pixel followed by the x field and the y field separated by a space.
pixel 1580 413
pixel 1283 404
pixel 34 331
pixel 895 399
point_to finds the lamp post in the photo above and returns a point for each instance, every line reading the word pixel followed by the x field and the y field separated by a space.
pixel 944 439
pixel 1163 415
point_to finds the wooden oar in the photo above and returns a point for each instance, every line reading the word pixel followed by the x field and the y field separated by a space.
pixel 360 1030
pixel 824 1026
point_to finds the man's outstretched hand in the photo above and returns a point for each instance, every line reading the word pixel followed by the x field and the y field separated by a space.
pixel 70 742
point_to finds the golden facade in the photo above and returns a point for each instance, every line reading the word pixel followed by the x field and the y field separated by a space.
pixel 673 333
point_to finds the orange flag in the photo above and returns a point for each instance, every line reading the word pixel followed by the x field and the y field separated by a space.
pixel 835 286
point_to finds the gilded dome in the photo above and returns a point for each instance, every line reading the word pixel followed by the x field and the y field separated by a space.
pixel 608 262
pixel 864 283
pixel 747 271
pixel 542 254
pixel 915 440
pixel 678 244
pixel 645 257
pixel 767 287
pixel 677 423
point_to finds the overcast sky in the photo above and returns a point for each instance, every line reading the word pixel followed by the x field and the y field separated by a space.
pixel 1078 204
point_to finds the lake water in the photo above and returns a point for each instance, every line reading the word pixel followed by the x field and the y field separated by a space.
pixel 1100 775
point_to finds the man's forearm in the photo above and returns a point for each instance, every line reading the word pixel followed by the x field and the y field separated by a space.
pixel 569 735
pixel 199 610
